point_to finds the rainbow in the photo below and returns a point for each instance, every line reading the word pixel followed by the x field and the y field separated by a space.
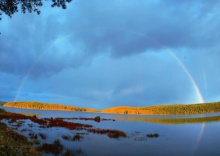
pixel 24 79
pixel 198 92
pixel 178 60
pixel 196 87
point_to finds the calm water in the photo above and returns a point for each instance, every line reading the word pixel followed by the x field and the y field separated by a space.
pixel 197 139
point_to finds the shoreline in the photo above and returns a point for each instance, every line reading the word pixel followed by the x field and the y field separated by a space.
pixel 37 147
pixel 110 113
pixel 14 143
pixel 19 144
pixel 163 110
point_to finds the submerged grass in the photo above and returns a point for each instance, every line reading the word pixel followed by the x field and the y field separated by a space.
pixel 55 148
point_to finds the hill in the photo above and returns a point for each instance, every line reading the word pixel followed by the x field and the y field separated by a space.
pixel 167 109
pixel 176 109
pixel 45 106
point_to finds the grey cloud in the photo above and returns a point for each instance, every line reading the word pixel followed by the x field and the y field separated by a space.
pixel 30 47
pixel 91 27
pixel 66 52
pixel 161 25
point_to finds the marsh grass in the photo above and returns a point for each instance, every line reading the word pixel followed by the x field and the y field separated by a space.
pixel 13 144
pixel 110 133
pixel 43 136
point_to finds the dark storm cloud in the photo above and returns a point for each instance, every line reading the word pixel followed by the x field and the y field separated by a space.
pixel 120 28
pixel 112 52
pixel 147 25
pixel 28 47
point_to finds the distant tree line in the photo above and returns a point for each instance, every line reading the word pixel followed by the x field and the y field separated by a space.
pixel 185 109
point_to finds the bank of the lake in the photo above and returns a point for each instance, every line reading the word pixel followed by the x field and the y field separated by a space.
pixel 13 143
pixel 192 135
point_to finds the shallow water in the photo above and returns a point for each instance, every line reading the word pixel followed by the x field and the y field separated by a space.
pixel 200 138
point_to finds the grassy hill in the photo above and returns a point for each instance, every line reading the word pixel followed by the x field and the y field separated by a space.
pixel 44 106
pixel 149 110
pixel 167 109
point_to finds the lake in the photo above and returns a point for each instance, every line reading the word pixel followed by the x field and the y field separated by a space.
pixel 193 135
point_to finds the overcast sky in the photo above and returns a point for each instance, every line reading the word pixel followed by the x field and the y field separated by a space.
pixel 103 53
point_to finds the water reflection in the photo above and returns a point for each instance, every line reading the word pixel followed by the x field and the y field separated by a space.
pixel 172 120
